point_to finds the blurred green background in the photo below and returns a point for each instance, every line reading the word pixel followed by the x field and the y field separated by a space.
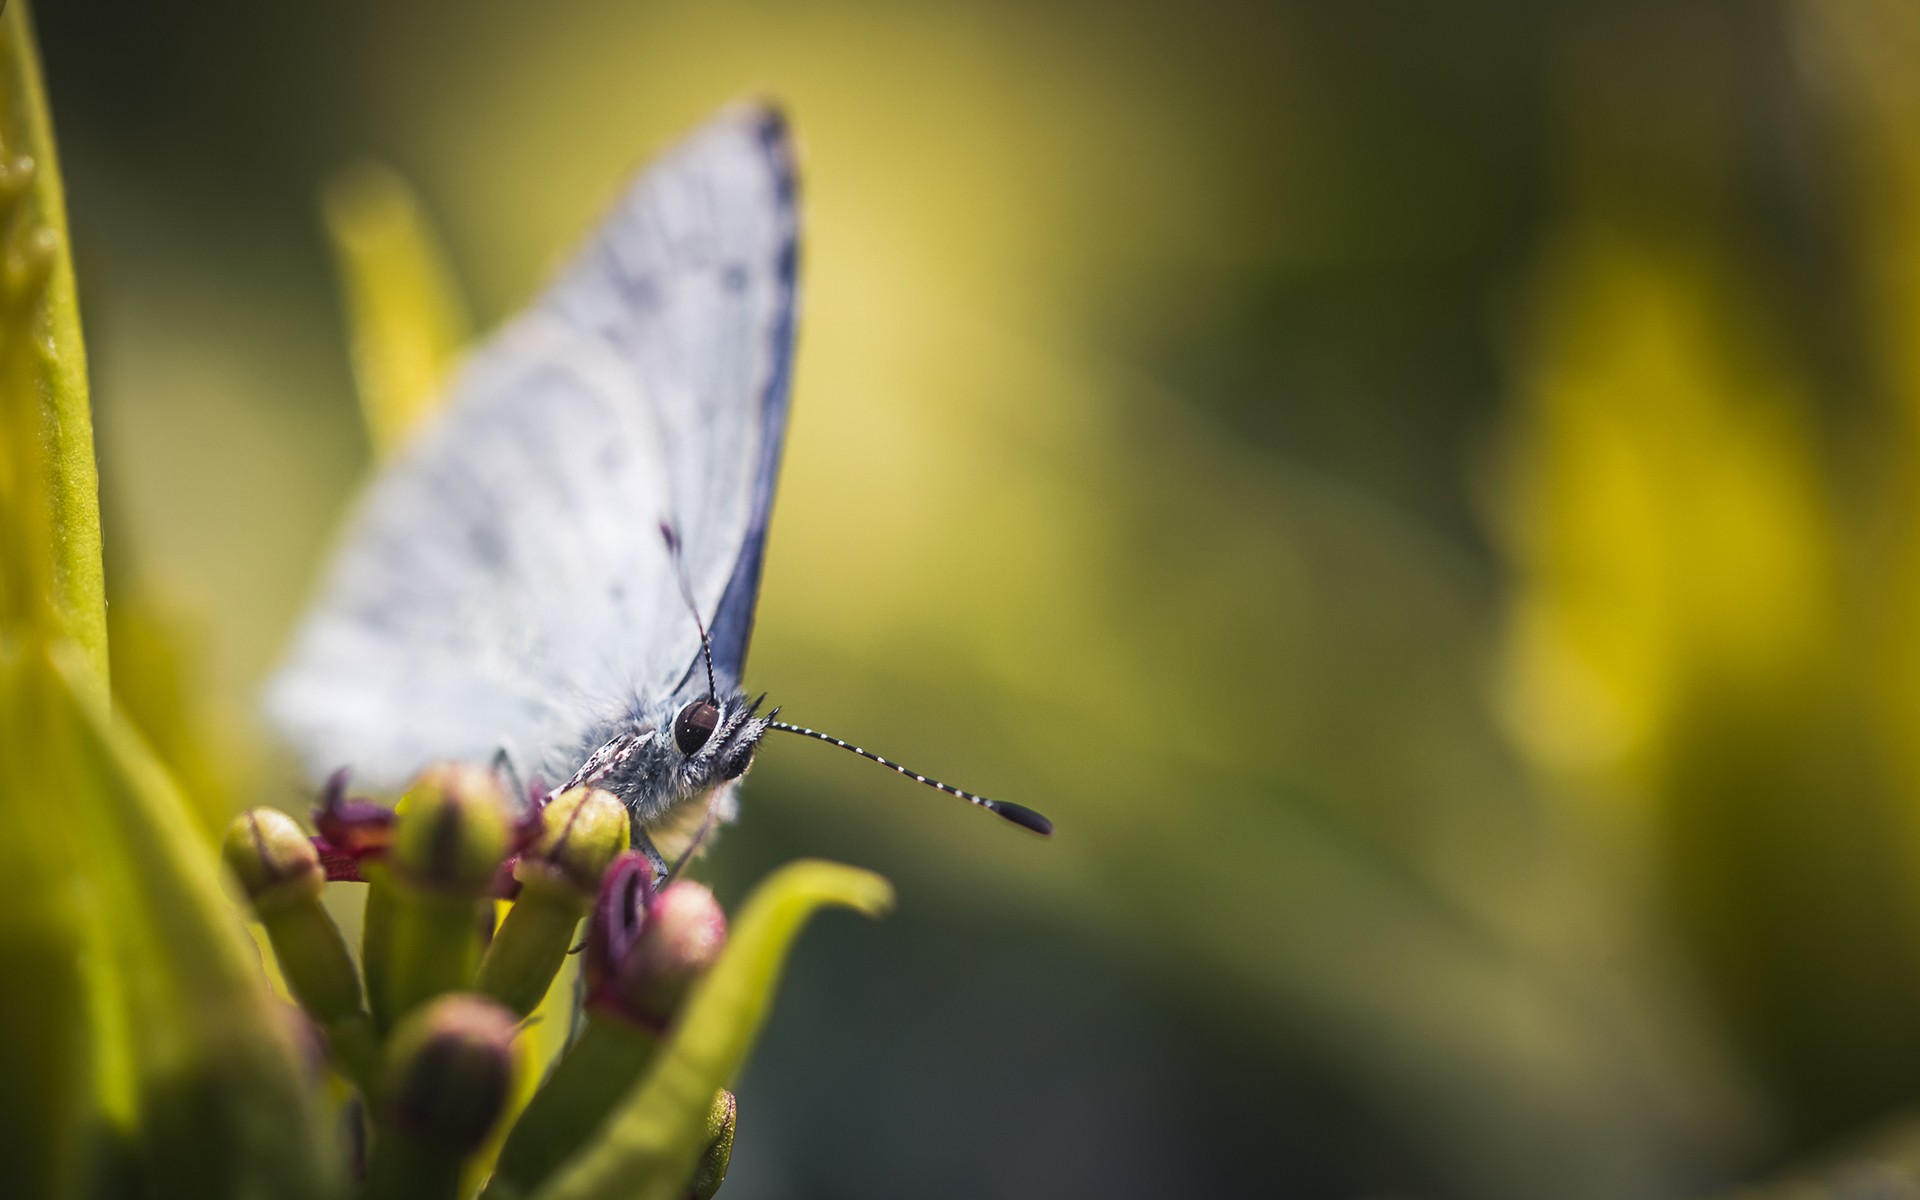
pixel 1424 494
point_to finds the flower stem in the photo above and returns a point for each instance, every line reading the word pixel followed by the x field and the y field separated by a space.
pixel 594 1074
pixel 529 948
pixel 403 1169
pixel 376 944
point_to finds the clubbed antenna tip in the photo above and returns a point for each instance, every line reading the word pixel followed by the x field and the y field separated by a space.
pixel 1019 815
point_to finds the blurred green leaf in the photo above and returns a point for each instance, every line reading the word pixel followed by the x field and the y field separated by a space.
pixel 222 1106
pixel 406 316
pixel 161 656
pixel 651 1144
pixel 46 1055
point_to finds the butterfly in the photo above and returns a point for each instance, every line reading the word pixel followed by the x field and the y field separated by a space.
pixel 561 569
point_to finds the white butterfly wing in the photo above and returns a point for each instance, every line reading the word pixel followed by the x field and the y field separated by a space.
pixel 504 583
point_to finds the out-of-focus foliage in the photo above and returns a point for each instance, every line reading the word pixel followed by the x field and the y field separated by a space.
pixel 1711 642
pixel 141 1039
pixel 1421 493
pixel 407 320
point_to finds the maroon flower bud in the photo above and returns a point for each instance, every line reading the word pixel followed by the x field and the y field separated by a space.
pixel 451 1069
pixel 351 830
pixel 644 951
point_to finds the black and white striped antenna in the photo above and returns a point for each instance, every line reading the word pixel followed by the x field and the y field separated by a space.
pixel 1020 815
pixel 672 536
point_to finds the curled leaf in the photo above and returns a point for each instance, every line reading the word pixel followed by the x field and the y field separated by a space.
pixel 221 1106
pixel 650 1146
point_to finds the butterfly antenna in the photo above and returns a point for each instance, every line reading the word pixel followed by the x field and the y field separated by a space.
pixel 686 593
pixel 1020 815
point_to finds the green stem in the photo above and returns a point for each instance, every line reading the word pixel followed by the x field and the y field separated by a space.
pixel 404 1169
pixel 376 945
pixel 593 1076
pixel 529 948
pixel 320 973
pixel 436 945
pixel 356 1052
pixel 313 958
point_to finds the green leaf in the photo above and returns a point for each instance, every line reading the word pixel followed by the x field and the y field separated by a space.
pixel 651 1144
pixel 406 316
pixel 219 1103
pixel 49 489
pixel 47 1056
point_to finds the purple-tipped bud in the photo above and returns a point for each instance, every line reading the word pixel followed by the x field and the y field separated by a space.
pixel 582 832
pixel 644 951
pixel 452 830
pixel 272 858
pixel 350 830
pixel 451 1070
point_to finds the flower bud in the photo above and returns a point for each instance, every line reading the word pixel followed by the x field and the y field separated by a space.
pixel 643 953
pixel 450 1067
pixel 582 831
pixel 272 858
pixel 428 903
pixel 645 950
pixel 351 831
pixel 452 829
pixel 712 1171
pixel 280 870
pixel 449 1075
pixel 684 933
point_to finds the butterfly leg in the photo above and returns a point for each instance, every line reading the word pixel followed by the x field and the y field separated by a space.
pixel 508 774
pixel 661 869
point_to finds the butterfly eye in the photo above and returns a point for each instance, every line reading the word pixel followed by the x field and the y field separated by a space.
pixel 694 726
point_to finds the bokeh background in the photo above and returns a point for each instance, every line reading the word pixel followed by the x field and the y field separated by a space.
pixel 1424 494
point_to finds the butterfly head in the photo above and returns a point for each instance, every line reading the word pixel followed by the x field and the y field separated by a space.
pixel 659 756
pixel 715 736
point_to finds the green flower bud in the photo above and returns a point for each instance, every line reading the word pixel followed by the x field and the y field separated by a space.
pixel 280 870
pixel 273 858
pixel 449 1071
pixel 453 829
pixel 582 831
pixel 712 1171
pixel 431 899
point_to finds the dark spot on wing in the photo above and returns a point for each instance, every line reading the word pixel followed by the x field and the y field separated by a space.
pixel 734 278
pixel 639 291
pixel 485 542
pixel 375 613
